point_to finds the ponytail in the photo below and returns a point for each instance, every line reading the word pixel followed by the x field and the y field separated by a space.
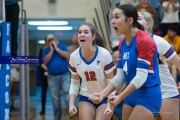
pixel 139 26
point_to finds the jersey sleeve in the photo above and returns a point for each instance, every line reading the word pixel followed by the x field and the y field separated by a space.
pixel 146 49
pixel 109 64
pixel 164 48
pixel 72 64
pixel 119 63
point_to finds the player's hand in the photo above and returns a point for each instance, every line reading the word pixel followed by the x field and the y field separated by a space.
pixel 109 111
pixel 96 98
pixel 114 100
pixel 72 110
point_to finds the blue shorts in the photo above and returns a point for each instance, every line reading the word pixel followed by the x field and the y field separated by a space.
pixel 177 96
pixel 85 99
pixel 150 98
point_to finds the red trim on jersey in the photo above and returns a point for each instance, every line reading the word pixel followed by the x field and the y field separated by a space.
pixel 146 47
pixel 169 52
pixel 72 68
pixel 120 43
pixel 110 65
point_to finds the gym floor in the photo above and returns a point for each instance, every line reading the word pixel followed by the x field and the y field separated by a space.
pixel 35 108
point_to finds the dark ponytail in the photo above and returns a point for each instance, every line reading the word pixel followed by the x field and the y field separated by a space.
pixel 99 40
pixel 139 26
pixel 159 60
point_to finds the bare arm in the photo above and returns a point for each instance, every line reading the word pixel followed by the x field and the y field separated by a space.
pixel 174 71
pixel 109 89
pixel 43 66
pixel 128 90
pixel 117 80
pixel 115 100
pixel 47 58
pixel 61 52
pixel 176 61
pixel 174 6
pixel 110 75
pixel 165 8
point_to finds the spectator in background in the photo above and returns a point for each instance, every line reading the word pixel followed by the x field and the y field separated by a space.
pixel 75 44
pixel 14 84
pixel 174 39
pixel 157 6
pixel 132 2
pixel 12 15
pixel 43 78
pixel 56 57
pixel 170 15
pixel 145 6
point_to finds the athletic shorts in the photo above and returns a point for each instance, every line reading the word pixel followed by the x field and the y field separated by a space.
pixel 85 99
pixel 177 96
pixel 150 98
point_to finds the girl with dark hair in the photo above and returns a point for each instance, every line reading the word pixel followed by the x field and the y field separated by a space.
pixel 94 65
pixel 137 67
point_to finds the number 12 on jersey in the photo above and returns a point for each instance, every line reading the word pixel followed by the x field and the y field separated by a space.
pixel 90 76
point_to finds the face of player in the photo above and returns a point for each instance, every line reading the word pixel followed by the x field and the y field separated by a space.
pixel 118 22
pixel 85 36
pixel 143 21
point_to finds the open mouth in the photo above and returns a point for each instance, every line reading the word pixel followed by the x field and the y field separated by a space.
pixel 115 28
pixel 83 40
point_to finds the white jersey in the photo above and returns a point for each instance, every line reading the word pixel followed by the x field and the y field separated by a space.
pixel 166 52
pixel 93 72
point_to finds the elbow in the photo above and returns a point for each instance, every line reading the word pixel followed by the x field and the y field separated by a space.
pixel 45 61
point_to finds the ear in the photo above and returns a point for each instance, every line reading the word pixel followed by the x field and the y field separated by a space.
pixel 130 20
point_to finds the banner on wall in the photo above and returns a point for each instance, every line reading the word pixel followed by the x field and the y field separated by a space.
pixel 5 38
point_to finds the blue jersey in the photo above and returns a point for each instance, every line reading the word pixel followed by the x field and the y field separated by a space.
pixel 140 53
pixel 57 64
